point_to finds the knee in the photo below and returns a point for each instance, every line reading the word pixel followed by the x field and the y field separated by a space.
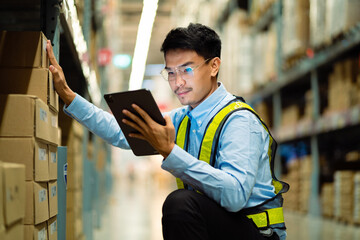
pixel 178 201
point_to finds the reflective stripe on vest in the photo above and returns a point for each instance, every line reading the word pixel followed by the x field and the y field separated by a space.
pixel 208 149
pixel 268 217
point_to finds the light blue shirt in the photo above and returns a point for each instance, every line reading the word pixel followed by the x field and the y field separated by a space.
pixel 241 177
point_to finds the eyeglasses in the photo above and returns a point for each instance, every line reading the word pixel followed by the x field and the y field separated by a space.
pixel 186 72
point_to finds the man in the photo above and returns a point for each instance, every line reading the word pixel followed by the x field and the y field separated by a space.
pixel 231 192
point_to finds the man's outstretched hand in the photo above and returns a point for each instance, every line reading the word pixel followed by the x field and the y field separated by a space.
pixel 60 84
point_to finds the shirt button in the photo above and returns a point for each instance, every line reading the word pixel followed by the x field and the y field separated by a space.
pixel 194 131
pixel 199 122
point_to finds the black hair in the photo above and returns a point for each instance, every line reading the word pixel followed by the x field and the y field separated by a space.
pixel 200 38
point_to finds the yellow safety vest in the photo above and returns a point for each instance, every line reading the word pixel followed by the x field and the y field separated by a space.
pixel 262 217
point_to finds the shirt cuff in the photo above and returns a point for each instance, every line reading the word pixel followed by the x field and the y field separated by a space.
pixel 78 108
pixel 176 162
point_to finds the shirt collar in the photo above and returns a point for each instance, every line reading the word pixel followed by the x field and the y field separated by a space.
pixel 200 112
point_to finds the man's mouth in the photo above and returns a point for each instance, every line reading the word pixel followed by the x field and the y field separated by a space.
pixel 182 92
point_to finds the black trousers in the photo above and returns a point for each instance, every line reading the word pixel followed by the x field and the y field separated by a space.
pixel 189 215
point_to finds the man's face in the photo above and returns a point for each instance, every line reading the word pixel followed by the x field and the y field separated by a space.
pixel 195 90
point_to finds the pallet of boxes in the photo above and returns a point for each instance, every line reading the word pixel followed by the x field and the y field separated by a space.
pixel 29 128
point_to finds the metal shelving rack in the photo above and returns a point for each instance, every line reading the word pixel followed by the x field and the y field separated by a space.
pixel 58 20
pixel 306 70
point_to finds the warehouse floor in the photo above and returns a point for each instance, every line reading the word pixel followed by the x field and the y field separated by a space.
pixel 134 213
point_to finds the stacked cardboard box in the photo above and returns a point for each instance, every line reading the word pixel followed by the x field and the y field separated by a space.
pixel 236 41
pixel 264 55
pixel 296 26
pixel 340 16
pixel 74 201
pixel 305 183
pixel 343 88
pixel 292 198
pixel 344 196
pixel 12 200
pixel 29 121
pixel 357 198
pixel 258 8
pixel 264 112
pixel 327 199
pixel 290 115
pixel 317 23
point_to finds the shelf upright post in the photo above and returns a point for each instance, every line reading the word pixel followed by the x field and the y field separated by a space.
pixel 314 203
pixel 88 186
pixel 87 21
pixel 52 25
pixel 276 98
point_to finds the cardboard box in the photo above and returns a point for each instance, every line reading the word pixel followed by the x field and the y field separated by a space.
pixel 27 116
pixel 52 162
pixel 37 203
pixel 13 178
pixel 23 49
pixel 53 199
pixel 30 81
pixel 53 97
pixel 74 225
pixel 74 199
pixel 2 216
pixel 2 232
pixel 36 232
pixel 15 231
pixel 52 228
pixel 34 155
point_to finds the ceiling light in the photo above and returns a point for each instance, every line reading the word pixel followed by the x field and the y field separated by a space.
pixel 142 43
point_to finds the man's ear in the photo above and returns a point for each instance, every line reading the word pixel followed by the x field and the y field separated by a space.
pixel 215 66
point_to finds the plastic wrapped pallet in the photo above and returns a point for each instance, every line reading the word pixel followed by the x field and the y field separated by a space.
pixel 237 54
pixel 245 64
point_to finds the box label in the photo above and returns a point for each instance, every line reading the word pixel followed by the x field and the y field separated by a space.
pixel 53 228
pixel 42 234
pixel 54 122
pixel 53 157
pixel 10 194
pixel 42 154
pixel 43 115
pixel 65 174
pixel 42 195
pixel 53 191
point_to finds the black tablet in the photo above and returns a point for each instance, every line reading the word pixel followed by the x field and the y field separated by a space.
pixel 144 99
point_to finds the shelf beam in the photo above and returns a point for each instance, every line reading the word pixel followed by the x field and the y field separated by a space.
pixel 326 56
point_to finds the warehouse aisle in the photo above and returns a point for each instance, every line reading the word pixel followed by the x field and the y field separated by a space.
pixel 134 213
pixel 139 190
pixel 303 227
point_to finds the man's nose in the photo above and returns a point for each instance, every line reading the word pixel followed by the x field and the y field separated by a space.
pixel 179 81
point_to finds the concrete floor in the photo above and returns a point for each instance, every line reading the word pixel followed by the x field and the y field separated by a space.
pixel 134 213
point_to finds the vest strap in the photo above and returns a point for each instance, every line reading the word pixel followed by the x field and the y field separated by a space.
pixel 268 217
